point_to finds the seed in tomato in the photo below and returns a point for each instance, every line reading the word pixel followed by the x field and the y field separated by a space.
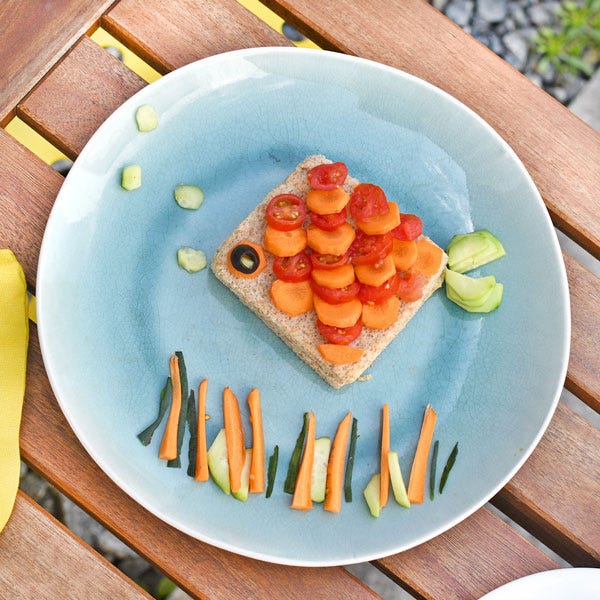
pixel 368 201
pixel 286 212
pixel 370 294
pixel 329 261
pixel 329 222
pixel 336 295
pixel 293 268
pixel 327 176
pixel 410 228
pixel 370 249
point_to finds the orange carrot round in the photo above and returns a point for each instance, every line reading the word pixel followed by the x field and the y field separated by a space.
pixel 285 243
pixel 336 465
pixel 292 297
pixel 327 202
pixel 429 257
pixel 334 278
pixel 376 274
pixel 381 224
pixel 381 316
pixel 338 354
pixel 338 315
pixel 334 242
pixel 404 253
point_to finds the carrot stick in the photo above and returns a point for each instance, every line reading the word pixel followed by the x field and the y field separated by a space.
pixel 257 466
pixel 384 482
pixel 301 499
pixel 336 466
pixel 416 483
pixel 201 452
pixel 234 435
pixel 168 445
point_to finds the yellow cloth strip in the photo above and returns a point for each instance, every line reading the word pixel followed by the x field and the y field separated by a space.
pixel 14 336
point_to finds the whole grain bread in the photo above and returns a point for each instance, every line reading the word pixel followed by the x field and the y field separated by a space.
pixel 300 333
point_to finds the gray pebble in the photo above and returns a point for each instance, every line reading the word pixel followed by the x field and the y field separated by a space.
pixel 460 11
pixel 517 44
pixel 492 11
pixel 540 15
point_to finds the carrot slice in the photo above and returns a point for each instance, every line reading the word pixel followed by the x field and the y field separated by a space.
pixel 326 202
pixel 301 499
pixel 168 445
pixel 285 243
pixel 201 452
pixel 376 274
pixel 429 257
pixel 381 316
pixel 292 297
pixel 338 315
pixel 257 466
pixel 404 253
pixel 381 223
pixel 384 482
pixel 234 435
pixel 416 483
pixel 334 278
pixel 334 242
pixel 336 466
pixel 338 354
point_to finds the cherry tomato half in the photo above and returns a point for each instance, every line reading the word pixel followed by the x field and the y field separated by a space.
pixel 329 261
pixel 327 176
pixel 293 268
pixel 369 249
pixel 286 212
pixel 368 201
pixel 410 228
pixel 370 294
pixel 410 287
pixel 335 295
pixel 329 222
pixel 336 335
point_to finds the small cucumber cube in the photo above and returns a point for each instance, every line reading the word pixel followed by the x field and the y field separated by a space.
pixel 470 289
pixel 242 493
pixel 131 177
pixel 146 118
pixel 371 494
pixel 319 471
pixel 218 465
pixel 398 487
pixel 189 196
pixel 190 259
pixel 471 250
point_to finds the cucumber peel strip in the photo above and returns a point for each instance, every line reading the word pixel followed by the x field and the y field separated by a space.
pixel 176 462
pixel 272 471
pixel 145 436
pixel 350 463
pixel 294 465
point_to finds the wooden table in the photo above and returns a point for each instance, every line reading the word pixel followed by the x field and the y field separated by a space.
pixel 64 85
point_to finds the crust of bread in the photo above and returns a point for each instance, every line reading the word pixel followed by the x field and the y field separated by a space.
pixel 300 333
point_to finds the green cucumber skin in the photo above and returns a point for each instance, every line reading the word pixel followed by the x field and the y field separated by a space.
pixel 398 487
pixel 272 471
pixel 292 473
pixel 176 462
pixel 471 250
pixel 433 469
pixel 491 302
pixel 242 493
pixel 469 289
pixel 448 467
pixel 350 463
pixel 218 464
pixel 319 472
pixel 371 494
pixel 145 436
pixel 192 423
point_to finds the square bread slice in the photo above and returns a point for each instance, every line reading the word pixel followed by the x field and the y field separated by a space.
pixel 300 332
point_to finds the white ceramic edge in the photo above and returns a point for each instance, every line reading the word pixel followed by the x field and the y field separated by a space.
pixel 366 557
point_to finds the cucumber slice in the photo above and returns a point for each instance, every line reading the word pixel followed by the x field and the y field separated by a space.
pixel 190 259
pixel 218 464
pixel 470 289
pixel 146 118
pixel 131 177
pixel 398 487
pixel 242 493
pixel 189 196
pixel 371 494
pixel 319 470
pixel 471 250
pixel 485 305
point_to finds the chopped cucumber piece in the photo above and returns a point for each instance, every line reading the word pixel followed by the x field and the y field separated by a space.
pixel 272 471
pixel 397 482
pixel 242 493
pixel 131 177
pixel 189 196
pixel 218 464
pixel 371 494
pixel 470 289
pixel 190 259
pixel 471 250
pixel 491 302
pixel 146 118
pixel 319 470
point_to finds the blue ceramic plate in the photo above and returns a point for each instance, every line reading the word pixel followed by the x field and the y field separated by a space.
pixel 113 304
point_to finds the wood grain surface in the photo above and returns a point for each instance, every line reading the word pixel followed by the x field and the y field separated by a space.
pixel 33 36
pixel 72 101
pixel 170 34
pixel 559 150
pixel 41 558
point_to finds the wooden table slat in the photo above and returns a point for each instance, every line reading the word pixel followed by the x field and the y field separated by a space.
pixel 28 51
pixel 559 150
pixel 41 558
pixel 170 34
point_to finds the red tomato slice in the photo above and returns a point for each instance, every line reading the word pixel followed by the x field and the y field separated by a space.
pixel 335 335
pixel 293 268
pixel 329 261
pixel 410 228
pixel 369 294
pixel 410 288
pixel 335 295
pixel 369 249
pixel 327 176
pixel 286 212
pixel 367 201
pixel 329 222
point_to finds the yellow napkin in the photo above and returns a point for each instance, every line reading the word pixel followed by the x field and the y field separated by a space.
pixel 14 335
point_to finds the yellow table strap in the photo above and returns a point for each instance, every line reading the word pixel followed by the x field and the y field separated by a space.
pixel 14 336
